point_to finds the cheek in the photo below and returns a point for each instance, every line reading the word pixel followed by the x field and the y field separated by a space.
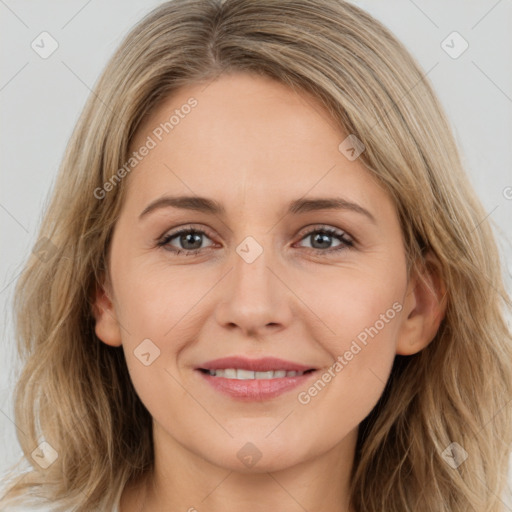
pixel 154 299
pixel 346 391
pixel 362 304
pixel 156 312
pixel 361 315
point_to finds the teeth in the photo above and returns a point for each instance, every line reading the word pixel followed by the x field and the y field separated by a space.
pixel 263 375
pixel 239 374
pixel 242 374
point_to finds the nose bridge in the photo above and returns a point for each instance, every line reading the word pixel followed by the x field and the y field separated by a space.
pixel 251 277
pixel 253 298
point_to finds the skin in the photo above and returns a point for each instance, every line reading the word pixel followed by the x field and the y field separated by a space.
pixel 254 145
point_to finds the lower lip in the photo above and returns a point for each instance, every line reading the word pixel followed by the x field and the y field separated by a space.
pixel 255 389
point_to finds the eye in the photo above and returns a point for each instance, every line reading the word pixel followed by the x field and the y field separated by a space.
pixel 189 241
pixel 321 239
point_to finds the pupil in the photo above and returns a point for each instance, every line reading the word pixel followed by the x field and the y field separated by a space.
pixel 322 238
pixel 190 237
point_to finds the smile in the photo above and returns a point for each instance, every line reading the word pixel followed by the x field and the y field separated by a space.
pixel 241 374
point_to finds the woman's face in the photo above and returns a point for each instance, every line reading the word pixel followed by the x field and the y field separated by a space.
pixel 293 252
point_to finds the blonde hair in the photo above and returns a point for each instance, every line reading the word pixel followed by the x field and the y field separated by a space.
pixel 75 392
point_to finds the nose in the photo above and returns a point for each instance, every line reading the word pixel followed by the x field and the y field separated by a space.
pixel 254 299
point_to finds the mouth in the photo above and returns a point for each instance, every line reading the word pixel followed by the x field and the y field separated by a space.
pixel 254 379
pixel 241 374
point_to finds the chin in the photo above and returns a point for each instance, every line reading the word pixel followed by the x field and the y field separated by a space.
pixel 258 455
pixel 265 465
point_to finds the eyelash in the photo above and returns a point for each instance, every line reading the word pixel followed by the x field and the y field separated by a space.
pixel 346 241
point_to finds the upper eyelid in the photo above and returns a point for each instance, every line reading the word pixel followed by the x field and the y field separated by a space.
pixel 321 227
pixel 186 228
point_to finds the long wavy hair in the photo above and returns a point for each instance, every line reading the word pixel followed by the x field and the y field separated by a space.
pixel 74 391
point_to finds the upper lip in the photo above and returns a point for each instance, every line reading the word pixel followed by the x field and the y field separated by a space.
pixel 264 364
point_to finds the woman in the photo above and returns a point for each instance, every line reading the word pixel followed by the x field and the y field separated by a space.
pixel 260 368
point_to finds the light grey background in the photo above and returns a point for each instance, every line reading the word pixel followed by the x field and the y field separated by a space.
pixel 40 101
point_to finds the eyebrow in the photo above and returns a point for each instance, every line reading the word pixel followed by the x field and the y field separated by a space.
pixel 298 206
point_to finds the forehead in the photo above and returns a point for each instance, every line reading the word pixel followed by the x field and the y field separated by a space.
pixel 245 136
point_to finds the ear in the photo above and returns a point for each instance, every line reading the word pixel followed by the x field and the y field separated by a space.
pixel 424 308
pixel 106 327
